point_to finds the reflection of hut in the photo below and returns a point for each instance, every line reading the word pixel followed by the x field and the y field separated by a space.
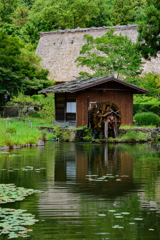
pixel 73 98
pixel 89 162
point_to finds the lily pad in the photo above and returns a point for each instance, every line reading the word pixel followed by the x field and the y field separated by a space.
pixel 11 193
pixel 102 215
pixel 117 226
pixel 118 216
pixel 138 219
pixel 111 210
pixel 13 221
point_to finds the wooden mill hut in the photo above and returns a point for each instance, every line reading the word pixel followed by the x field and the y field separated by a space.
pixel 74 98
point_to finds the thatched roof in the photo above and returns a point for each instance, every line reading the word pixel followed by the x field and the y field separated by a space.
pixel 59 50
pixel 82 84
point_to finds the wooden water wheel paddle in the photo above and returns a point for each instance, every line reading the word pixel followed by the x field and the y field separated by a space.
pixel 106 118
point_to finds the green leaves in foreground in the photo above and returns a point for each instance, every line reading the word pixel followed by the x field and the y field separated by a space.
pixel 13 222
pixel 11 193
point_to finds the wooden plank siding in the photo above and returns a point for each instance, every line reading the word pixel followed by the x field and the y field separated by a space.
pixel 124 100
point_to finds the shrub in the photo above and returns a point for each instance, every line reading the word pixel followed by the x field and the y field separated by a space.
pixel 143 119
pixel 139 108
pixel 11 130
pixel 88 136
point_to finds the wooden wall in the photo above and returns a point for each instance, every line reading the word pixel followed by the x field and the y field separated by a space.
pixel 123 99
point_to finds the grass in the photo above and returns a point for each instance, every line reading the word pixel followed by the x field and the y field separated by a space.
pixel 132 135
pixel 22 133
pixel 134 126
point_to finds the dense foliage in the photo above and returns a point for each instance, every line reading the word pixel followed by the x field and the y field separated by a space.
pixel 149 29
pixel 151 82
pixel 149 118
pixel 109 55
pixel 19 67
pixel 33 16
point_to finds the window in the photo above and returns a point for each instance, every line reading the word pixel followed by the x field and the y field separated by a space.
pixel 71 107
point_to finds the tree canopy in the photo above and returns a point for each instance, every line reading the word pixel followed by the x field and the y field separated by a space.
pixel 149 29
pixel 111 55
pixel 19 67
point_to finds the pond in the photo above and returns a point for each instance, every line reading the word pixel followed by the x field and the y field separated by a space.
pixel 89 191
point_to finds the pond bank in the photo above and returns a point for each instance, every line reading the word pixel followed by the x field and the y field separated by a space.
pixel 6 148
pixel 150 134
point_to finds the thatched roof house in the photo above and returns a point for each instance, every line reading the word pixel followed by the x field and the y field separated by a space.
pixel 59 50
pixel 73 98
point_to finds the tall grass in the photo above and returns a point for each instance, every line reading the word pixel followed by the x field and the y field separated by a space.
pixel 23 135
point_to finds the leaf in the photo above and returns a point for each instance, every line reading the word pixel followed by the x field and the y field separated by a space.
pixel 102 215
pixel 138 219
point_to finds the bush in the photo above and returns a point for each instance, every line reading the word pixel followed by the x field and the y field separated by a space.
pixel 139 108
pixel 144 119
pixel 11 130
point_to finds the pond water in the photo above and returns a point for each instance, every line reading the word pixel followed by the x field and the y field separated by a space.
pixel 90 191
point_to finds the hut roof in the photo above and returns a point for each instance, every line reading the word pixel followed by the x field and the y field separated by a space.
pixel 82 84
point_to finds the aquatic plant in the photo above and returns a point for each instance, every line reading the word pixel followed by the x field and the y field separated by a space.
pixel 13 220
pixel 11 193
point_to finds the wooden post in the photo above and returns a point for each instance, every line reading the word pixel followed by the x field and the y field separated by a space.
pixel 9 124
pixel 88 112
pixel 106 124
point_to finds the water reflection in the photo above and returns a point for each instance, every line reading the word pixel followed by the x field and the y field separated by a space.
pixel 85 165
pixel 124 202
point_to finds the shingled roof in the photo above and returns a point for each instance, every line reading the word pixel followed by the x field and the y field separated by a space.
pixel 82 84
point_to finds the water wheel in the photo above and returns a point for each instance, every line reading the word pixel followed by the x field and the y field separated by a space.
pixel 106 118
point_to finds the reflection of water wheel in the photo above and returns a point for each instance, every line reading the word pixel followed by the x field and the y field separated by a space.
pixel 101 113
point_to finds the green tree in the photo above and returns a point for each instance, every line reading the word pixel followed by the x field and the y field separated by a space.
pixel 109 55
pixel 149 29
pixel 27 3
pixel 105 14
pixel 7 7
pixel 20 16
pixel 20 68
pixel 64 13
pixel 151 82
pixel 122 12
pixel 22 103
